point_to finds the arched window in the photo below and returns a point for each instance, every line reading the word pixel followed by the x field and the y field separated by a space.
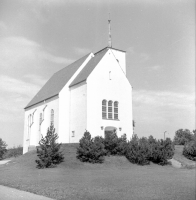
pixel 30 118
pixel 28 125
pixel 116 110
pixel 52 117
pixel 110 114
pixel 40 121
pixel 104 109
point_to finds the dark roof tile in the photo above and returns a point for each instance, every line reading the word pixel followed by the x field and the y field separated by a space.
pixel 56 83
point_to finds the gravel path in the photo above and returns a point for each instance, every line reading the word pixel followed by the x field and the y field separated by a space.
pixel 7 193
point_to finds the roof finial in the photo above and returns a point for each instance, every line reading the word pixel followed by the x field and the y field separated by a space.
pixel 110 37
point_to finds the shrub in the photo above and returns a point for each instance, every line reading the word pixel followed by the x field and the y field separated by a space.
pixel 189 150
pixel 111 142
pixel 183 136
pixel 3 149
pixel 115 145
pixel 91 150
pixel 13 152
pixel 138 151
pixel 160 150
pixel 142 151
pixel 49 150
pixel 121 145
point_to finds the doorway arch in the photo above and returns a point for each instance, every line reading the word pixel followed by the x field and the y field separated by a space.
pixel 109 129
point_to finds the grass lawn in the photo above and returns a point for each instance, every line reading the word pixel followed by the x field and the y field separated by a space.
pixel 115 179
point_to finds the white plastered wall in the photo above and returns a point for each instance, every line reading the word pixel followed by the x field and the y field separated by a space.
pixel 64 107
pixel 99 87
pixel 121 58
pixel 33 131
pixel 78 112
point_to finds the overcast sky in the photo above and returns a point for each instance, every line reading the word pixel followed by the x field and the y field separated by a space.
pixel 39 37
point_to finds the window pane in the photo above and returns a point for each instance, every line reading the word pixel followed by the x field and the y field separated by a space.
pixel 104 102
pixel 104 115
pixel 110 115
pixel 104 108
pixel 115 110
pixel 109 109
pixel 116 104
pixel 110 103
pixel 115 116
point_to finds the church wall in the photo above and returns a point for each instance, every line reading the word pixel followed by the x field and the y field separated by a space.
pixel 64 110
pixel 121 56
pixel 64 107
pixel 109 82
pixel 33 130
pixel 78 112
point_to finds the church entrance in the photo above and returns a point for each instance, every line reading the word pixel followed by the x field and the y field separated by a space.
pixel 109 129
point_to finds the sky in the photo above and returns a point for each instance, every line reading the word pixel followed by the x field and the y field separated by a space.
pixel 39 37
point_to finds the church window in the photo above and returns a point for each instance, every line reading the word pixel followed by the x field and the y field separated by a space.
pixel 52 117
pixel 110 75
pixel 40 121
pixel 28 125
pixel 30 119
pixel 73 133
pixel 104 109
pixel 116 110
pixel 110 113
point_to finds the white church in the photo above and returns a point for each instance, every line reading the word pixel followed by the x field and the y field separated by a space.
pixel 93 94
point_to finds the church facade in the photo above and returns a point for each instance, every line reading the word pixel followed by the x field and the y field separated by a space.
pixel 93 94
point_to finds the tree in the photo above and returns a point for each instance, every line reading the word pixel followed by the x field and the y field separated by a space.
pixel 194 134
pixel 182 137
pixel 49 150
pixel 3 149
pixel 133 123
pixel 91 149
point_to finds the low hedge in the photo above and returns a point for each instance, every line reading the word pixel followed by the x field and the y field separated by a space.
pixel 13 152
pixel 140 151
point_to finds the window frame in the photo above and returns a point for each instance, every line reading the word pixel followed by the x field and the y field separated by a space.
pixel 52 117
pixel 110 109
pixel 116 109
pixel 104 109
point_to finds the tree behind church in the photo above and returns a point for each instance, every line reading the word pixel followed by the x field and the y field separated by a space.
pixel 49 150
pixel 3 149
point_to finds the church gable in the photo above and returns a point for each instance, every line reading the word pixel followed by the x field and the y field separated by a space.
pixel 87 70
pixel 109 70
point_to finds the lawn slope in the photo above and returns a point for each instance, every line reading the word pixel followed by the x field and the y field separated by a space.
pixel 115 179
pixel 186 163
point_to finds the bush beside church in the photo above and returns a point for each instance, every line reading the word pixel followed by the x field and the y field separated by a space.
pixel 139 151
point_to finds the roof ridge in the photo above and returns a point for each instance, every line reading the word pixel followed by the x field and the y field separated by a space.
pixel 72 63
pixel 89 67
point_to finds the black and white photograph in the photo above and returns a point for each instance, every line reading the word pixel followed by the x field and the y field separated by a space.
pixel 97 100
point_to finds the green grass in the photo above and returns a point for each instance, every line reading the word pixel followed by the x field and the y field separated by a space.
pixel 186 163
pixel 115 179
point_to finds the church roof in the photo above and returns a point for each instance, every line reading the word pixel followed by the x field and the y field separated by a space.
pixel 56 83
pixel 86 71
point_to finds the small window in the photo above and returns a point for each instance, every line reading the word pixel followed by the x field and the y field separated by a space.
pixel 110 114
pixel 73 133
pixel 104 109
pixel 116 110
pixel 110 75
pixel 52 117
